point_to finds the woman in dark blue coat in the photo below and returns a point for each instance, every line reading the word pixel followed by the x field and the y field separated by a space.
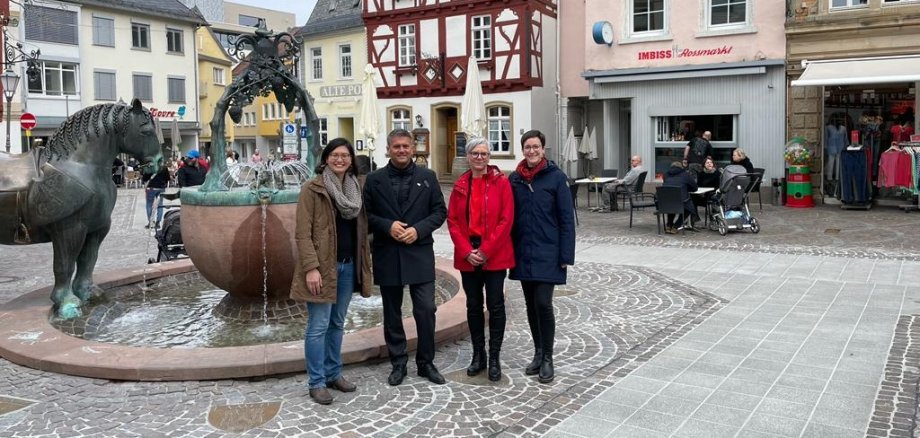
pixel 544 244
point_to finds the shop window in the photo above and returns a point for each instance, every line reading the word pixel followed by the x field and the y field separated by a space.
pixel 647 17
pixel 56 79
pixel 664 156
pixel 500 129
pixel 682 128
pixel 847 3
pixel 400 118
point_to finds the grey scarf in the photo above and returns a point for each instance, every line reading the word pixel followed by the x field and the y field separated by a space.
pixel 347 196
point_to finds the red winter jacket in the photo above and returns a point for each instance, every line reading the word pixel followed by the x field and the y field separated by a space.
pixel 499 217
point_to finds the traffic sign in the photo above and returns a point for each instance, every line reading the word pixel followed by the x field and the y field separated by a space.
pixel 27 121
pixel 289 128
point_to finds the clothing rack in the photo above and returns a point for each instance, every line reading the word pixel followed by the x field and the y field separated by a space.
pixel 856 177
pixel 913 148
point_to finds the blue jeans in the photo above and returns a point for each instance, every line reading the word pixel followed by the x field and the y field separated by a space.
pixel 325 329
pixel 152 195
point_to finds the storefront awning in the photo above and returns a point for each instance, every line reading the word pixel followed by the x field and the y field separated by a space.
pixel 860 71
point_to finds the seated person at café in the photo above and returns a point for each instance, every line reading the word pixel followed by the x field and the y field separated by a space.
pixel 627 182
pixel 710 176
pixel 740 158
pixel 676 176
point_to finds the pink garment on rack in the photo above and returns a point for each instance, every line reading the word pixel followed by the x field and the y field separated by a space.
pixel 894 170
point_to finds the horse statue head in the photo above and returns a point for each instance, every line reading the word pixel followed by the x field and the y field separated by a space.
pixel 99 132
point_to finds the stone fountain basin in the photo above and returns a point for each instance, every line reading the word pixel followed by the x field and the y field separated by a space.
pixel 27 338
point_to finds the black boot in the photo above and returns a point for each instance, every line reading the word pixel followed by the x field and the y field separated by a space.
pixel 546 369
pixel 495 367
pixel 534 366
pixel 478 363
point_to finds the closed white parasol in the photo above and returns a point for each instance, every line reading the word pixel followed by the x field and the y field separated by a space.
pixel 369 125
pixel 473 112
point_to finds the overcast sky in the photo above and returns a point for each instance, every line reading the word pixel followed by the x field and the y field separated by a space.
pixel 300 7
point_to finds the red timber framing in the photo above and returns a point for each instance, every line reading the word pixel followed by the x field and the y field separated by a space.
pixel 516 67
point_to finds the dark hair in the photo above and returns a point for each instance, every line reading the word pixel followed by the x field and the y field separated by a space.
pixel 533 133
pixel 333 145
pixel 398 132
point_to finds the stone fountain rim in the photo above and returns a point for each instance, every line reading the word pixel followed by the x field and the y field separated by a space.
pixel 28 339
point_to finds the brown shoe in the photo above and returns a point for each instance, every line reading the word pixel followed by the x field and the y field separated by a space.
pixel 342 385
pixel 321 396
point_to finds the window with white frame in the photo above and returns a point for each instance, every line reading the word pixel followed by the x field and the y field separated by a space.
pixel 406 45
pixel 848 3
pixel 264 111
pixel 140 36
pixel 316 62
pixel 273 110
pixel 728 12
pixel 400 118
pixel 219 78
pixel 323 131
pixel 900 1
pixel 104 85
pixel 50 24
pixel 345 61
pixel 173 40
pixel 103 31
pixel 647 16
pixel 176 90
pixel 143 86
pixel 482 37
pixel 500 129
pixel 55 79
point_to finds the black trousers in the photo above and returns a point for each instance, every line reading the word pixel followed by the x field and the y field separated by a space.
pixel 539 300
pixel 473 284
pixel 423 310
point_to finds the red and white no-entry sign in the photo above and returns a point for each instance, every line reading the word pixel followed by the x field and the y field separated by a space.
pixel 27 121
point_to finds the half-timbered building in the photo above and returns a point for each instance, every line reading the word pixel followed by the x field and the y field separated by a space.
pixel 421 50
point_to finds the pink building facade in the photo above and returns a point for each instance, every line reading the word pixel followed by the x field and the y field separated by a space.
pixel 647 75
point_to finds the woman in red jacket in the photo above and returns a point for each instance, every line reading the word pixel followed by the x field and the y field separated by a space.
pixel 479 217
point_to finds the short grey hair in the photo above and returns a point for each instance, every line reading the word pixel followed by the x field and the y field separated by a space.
pixel 476 141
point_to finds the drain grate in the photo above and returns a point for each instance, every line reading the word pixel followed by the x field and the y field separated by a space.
pixel 832 231
pixel 242 417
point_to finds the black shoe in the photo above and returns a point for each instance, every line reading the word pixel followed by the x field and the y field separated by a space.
pixel 495 368
pixel 321 396
pixel 546 369
pixel 534 366
pixel 397 375
pixel 431 373
pixel 478 363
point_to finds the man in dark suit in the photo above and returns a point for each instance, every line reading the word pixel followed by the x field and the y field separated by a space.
pixel 404 207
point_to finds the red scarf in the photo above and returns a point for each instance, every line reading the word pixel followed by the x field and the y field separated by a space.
pixel 527 173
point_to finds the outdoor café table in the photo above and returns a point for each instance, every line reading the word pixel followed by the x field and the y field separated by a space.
pixel 704 194
pixel 598 188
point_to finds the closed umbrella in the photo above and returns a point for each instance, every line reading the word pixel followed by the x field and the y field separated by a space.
pixel 370 120
pixel 473 111
pixel 175 136
pixel 570 148
pixel 589 147
pixel 159 131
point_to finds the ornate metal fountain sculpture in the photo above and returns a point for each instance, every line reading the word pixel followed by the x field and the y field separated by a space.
pixel 238 226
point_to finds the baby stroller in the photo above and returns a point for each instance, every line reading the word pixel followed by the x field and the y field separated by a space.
pixel 730 203
pixel 169 236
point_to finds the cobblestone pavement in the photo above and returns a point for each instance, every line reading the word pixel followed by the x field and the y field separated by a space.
pixel 792 332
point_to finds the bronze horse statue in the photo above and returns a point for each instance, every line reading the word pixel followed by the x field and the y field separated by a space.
pixel 65 194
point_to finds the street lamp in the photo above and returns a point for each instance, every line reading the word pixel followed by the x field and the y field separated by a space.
pixel 10 80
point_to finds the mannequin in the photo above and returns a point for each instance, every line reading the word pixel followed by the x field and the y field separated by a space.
pixel 835 139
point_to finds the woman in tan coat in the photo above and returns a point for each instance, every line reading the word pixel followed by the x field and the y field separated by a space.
pixel 334 262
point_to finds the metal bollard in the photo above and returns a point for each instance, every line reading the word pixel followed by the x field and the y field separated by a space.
pixel 782 184
pixel 777 196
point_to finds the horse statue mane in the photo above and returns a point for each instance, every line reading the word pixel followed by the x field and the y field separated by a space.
pixel 90 122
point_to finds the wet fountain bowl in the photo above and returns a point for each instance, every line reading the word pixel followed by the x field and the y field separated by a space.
pixel 30 338
pixel 222 232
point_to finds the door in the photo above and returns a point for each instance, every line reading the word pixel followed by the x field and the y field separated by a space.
pixel 451 140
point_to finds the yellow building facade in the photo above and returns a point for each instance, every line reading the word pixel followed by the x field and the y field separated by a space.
pixel 214 73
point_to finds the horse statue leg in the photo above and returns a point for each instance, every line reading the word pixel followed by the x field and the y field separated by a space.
pixel 66 247
pixel 86 261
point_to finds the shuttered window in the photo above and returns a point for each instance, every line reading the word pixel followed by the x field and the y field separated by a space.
pixel 51 25
pixel 143 87
pixel 104 84
pixel 103 31
pixel 176 87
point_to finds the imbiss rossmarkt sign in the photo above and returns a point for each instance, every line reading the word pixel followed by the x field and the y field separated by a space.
pixel 340 90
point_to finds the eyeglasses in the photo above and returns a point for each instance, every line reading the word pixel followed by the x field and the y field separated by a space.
pixel 532 147
pixel 343 157
pixel 479 154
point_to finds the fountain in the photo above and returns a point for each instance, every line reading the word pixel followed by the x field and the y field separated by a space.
pixel 161 321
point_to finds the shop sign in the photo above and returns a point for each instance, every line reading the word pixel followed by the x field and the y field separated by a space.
pixel 166 114
pixel 340 90
pixel 677 52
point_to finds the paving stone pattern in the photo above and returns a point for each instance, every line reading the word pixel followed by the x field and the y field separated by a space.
pixel 895 404
pixel 616 318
